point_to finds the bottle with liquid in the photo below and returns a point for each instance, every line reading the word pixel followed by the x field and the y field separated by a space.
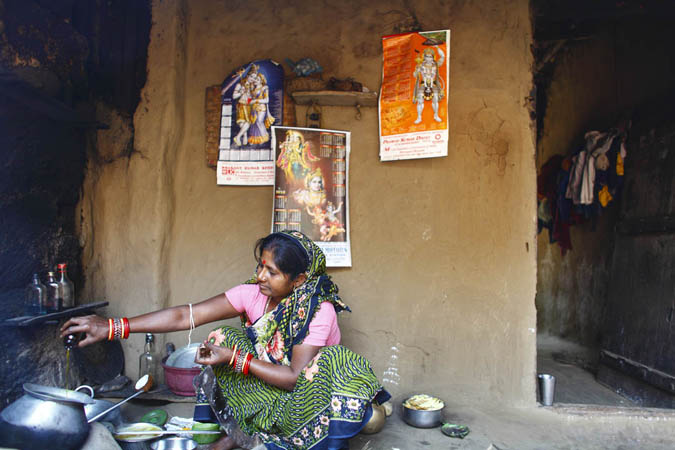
pixel 54 298
pixel 170 348
pixel 148 362
pixel 36 297
pixel 67 287
pixel 71 340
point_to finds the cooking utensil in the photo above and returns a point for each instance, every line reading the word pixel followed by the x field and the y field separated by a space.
pixel 142 385
pixel 98 406
pixel 180 369
pixel 163 432
pixel 45 417
pixel 142 431
pixel 174 443
pixel 184 357
pixel 137 432
pixel 422 418
pixel 376 421
pixel 179 379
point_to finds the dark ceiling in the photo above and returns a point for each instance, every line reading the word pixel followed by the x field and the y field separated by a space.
pixel 573 19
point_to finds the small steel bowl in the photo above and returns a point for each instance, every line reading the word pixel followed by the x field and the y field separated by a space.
pixel 174 443
pixel 422 418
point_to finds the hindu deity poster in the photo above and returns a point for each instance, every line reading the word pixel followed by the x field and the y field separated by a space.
pixel 310 188
pixel 413 106
pixel 252 100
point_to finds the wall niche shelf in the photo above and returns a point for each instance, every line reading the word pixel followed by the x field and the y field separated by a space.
pixel 25 321
pixel 335 98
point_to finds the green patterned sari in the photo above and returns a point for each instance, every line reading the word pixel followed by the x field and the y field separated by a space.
pixel 331 399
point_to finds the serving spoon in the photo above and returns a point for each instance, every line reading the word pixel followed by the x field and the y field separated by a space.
pixel 163 432
pixel 142 385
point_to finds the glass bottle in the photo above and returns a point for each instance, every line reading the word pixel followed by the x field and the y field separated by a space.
pixel 170 348
pixel 148 361
pixel 54 298
pixel 36 297
pixel 71 340
pixel 67 287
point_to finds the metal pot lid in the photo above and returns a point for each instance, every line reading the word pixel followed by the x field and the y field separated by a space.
pixel 55 394
pixel 184 357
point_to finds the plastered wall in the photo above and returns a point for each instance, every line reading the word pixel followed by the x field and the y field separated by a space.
pixel 597 80
pixel 443 278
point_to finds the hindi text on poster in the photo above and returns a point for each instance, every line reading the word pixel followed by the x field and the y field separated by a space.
pixel 413 105
pixel 249 173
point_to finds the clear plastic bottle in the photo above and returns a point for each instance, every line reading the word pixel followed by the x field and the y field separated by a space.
pixel 148 362
pixel 54 298
pixel 36 297
pixel 67 287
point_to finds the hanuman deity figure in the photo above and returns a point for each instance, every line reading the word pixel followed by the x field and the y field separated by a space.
pixel 428 83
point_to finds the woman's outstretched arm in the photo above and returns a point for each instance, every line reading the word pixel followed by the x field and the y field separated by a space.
pixel 175 318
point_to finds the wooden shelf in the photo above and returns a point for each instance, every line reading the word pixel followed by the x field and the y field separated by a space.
pixel 25 321
pixel 335 98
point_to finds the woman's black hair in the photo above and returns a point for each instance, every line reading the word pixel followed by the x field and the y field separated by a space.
pixel 289 256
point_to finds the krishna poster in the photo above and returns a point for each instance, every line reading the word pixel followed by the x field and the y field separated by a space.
pixel 252 101
pixel 311 189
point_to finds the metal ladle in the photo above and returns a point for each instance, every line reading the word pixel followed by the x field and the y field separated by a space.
pixel 142 385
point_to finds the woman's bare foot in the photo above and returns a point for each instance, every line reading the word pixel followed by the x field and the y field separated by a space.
pixel 224 443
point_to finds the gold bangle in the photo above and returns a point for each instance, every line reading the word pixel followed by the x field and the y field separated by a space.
pixel 234 353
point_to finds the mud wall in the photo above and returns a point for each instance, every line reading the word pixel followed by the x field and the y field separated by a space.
pixel 443 278
pixel 622 66
pixel 59 63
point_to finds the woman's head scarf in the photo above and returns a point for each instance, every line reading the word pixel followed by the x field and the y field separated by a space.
pixel 295 312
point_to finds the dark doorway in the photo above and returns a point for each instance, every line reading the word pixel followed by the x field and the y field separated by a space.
pixel 605 283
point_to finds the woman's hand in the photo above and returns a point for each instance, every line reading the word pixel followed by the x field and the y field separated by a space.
pixel 212 355
pixel 95 328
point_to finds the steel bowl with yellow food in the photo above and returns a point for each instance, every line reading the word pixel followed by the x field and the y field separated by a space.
pixel 423 411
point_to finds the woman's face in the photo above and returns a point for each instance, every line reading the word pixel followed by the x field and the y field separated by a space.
pixel 273 282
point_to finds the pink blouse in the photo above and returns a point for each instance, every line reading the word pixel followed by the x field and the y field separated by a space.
pixel 323 329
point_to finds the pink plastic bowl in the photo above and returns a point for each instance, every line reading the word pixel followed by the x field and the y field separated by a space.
pixel 179 380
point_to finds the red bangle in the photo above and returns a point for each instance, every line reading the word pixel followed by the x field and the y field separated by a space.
pixel 126 330
pixel 247 363
pixel 110 329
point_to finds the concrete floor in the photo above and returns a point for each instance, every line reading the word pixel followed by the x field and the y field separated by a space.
pixel 558 427
pixel 573 367
pixel 586 415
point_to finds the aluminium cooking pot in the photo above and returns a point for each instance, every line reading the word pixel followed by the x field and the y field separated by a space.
pixel 45 417
pixel 98 406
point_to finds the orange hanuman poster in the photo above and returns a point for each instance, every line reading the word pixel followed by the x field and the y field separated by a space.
pixel 413 106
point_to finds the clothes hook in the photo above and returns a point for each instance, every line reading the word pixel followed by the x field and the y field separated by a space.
pixel 358 112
